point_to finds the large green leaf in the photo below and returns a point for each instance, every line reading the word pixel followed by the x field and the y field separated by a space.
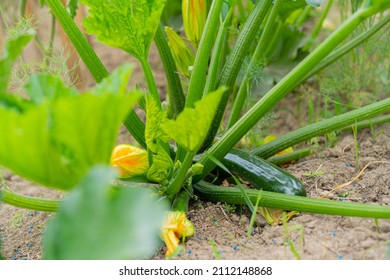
pixel 192 124
pixel 99 222
pixel 128 25
pixel 12 49
pixel 56 142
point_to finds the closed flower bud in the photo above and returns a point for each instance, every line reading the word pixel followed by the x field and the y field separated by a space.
pixel 194 19
pixel 181 52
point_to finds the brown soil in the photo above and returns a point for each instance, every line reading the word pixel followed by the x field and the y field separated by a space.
pixel 224 229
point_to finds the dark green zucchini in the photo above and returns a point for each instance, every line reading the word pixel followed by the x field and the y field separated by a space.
pixel 262 174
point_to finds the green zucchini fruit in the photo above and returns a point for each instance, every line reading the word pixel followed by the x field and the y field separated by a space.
pixel 262 174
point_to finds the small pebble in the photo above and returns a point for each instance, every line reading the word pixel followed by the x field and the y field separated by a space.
pixel 339 257
pixel 274 241
pixel 29 231
pixel 18 252
pixel 333 233
pixel 14 258
pixel 189 251
pixel 29 245
pixel 31 214
pixel 235 247
pixel 25 259
pixel 341 198
pixel 179 255
pixel 347 165
pixel 37 212
pixel 198 237
pixel 215 219
pixel 220 251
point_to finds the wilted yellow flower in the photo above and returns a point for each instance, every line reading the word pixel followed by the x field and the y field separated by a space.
pixel 175 227
pixel 182 54
pixel 194 19
pixel 272 137
pixel 129 160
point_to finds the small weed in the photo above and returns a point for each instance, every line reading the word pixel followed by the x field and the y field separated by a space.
pixel 228 208
pixel 18 218
pixel 287 239
pixel 214 249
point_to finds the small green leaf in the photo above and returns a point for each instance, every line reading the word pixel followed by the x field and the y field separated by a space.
pixel 55 142
pixel 123 222
pixel 154 120
pixel 128 25
pixel 162 163
pixel 72 7
pixel 12 49
pixel 192 124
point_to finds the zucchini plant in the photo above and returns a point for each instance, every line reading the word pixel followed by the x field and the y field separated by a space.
pixel 61 138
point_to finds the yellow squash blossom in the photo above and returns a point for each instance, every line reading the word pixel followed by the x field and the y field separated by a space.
pixel 175 227
pixel 194 19
pixel 129 160
pixel 272 137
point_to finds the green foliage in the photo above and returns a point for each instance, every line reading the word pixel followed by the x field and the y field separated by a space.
pixel 191 126
pixel 12 49
pixel 123 223
pixel 128 25
pixel 155 117
pixel 57 139
pixel 162 163
pixel 73 6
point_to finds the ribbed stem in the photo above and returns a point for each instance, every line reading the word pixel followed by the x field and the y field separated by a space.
pixel 92 61
pixel 234 63
pixel 350 45
pixel 151 82
pixel 264 105
pixel 258 55
pixel 217 55
pixel 180 177
pixel 87 54
pixel 175 90
pixel 33 203
pixel 368 123
pixel 321 128
pixel 289 157
pixel 198 76
pixel 291 202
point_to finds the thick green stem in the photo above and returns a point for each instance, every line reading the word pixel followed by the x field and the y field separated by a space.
pixel 264 105
pixel 91 60
pixel 368 123
pixel 33 203
pixel 289 157
pixel 258 56
pixel 87 54
pixel 198 76
pixel 22 8
pixel 180 177
pixel 174 89
pixel 151 82
pixel 321 128
pixel 234 63
pixel 217 55
pixel 291 202
pixel 350 45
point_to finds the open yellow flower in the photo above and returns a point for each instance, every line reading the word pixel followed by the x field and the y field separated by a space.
pixel 129 160
pixel 175 227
